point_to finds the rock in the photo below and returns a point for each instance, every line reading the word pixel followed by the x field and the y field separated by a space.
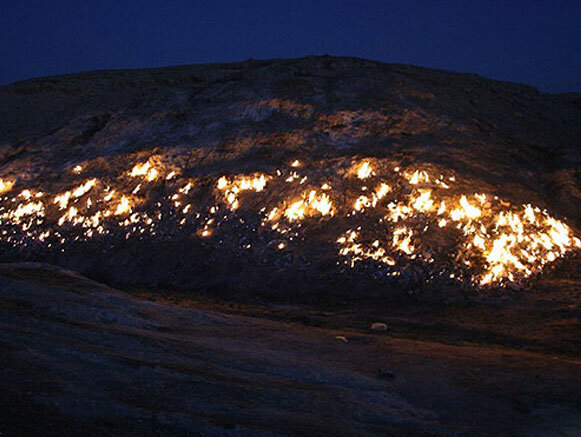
pixel 384 372
pixel 107 317
pixel 378 327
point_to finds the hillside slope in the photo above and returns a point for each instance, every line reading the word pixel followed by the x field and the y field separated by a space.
pixel 138 176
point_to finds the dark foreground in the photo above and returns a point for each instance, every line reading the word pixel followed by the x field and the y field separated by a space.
pixel 77 357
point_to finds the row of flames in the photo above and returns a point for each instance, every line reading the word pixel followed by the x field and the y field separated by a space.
pixel 500 242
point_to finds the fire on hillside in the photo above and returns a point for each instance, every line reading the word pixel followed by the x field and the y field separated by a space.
pixel 382 215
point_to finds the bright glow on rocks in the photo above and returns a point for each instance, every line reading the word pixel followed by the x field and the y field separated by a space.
pixel 391 224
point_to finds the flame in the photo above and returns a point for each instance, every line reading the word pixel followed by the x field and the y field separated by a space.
pixel 365 170
pixel 466 210
pixel 419 176
pixel 398 212
pixel 27 209
pixel 5 185
pixel 232 188
pixel 145 169
pixel 382 190
pixel 423 202
pixel 27 194
pixel 123 207
pixel 296 211
pixel 186 188
pixel 357 251
pixel 496 242
pixel 310 204
pixel 469 211
pixel 62 200
pixel 364 201
pixel 322 203
pixel 402 238
pixel 69 216
pixel 478 241
pixel 85 188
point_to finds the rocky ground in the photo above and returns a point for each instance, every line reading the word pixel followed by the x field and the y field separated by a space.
pixel 192 316
pixel 79 357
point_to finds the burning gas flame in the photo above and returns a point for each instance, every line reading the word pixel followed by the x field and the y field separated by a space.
pixel 5 186
pixel 310 204
pixel 124 206
pixel 365 170
pixel 423 201
pixel 418 176
pixel 384 224
pixel 232 188
pixel 349 247
pixel 145 169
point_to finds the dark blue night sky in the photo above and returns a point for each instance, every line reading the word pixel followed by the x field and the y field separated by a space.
pixel 533 42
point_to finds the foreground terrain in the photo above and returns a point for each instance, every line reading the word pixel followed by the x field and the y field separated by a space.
pixel 77 356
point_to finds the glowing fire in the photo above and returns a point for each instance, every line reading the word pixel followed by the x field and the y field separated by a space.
pixel 402 238
pixel 364 171
pixel 145 169
pixel 385 224
pixel 418 176
pixel 310 204
pixel 465 210
pixel 365 201
pixel 5 185
pixel 123 207
pixel 423 201
pixel 232 188
pixel 357 252
pixel 62 200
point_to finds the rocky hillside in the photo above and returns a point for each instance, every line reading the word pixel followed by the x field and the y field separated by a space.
pixel 317 246
pixel 355 177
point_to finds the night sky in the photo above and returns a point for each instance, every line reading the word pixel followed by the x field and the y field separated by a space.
pixel 533 42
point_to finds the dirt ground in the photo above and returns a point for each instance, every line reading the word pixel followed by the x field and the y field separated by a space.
pixel 80 356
